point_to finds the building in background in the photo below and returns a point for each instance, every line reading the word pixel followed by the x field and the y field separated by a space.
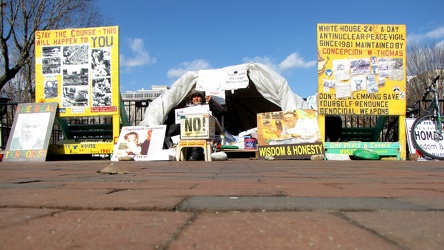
pixel 136 102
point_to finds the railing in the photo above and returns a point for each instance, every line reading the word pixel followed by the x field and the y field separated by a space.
pixel 7 112
pixel 134 109
pixel 423 105
pixel 389 132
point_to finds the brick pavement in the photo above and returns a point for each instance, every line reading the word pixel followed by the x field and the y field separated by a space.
pixel 236 204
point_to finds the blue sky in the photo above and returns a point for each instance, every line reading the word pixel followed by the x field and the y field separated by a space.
pixel 160 40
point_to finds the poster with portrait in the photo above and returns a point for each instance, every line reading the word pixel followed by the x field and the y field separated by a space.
pixel 140 143
pixel 292 134
pixel 30 132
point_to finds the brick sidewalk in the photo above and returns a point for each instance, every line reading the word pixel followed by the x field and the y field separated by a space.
pixel 240 204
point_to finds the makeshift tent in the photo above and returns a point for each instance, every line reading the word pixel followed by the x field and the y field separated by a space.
pixel 267 91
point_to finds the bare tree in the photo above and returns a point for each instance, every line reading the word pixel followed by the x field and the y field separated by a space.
pixel 424 62
pixel 20 20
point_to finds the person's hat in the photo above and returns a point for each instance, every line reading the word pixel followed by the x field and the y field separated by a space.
pixel 197 93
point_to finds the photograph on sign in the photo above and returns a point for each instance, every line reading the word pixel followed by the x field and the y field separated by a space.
pixel 288 127
pixel 140 143
pixel 51 88
pixel 291 134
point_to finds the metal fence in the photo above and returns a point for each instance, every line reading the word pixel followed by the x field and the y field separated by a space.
pixel 7 112
pixel 134 109
pixel 390 130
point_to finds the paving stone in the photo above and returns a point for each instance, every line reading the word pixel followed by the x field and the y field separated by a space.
pixel 432 203
pixel 234 204
pixel 89 199
pixel 400 227
pixel 292 204
pixel 11 216
pixel 290 230
pixel 95 230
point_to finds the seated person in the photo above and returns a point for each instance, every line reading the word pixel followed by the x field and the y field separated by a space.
pixel 196 99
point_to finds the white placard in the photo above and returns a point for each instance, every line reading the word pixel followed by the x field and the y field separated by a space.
pixel 221 80
pixel 140 142
pixel 201 109
pixel 424 136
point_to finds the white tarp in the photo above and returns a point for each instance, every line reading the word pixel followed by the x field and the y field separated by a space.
pixel 271 85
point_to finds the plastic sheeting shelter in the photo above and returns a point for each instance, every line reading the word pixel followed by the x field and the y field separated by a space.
pixel 267 91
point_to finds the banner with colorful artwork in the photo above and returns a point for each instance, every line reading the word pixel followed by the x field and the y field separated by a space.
pixel 79 69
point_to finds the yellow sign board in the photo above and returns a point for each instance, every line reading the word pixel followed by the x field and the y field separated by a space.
pixel 79 69
pixel 361 69
pixel 192 143
pixel 82 147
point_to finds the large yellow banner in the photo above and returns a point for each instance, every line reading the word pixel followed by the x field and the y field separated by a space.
pixel 79 69
pixel 361 69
